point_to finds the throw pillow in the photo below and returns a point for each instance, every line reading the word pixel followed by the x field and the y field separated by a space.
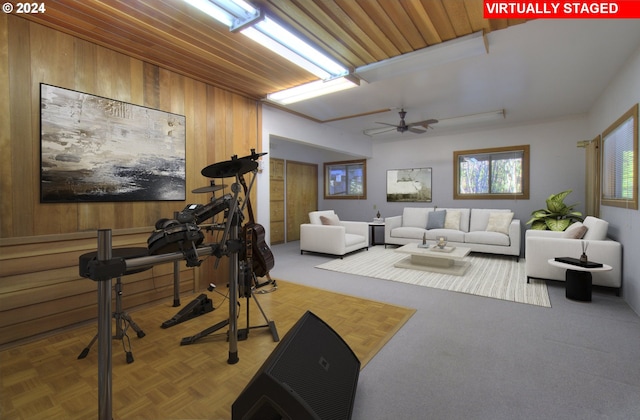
pixel 499 222
pixel 452 220
pixel 330 220
pixel 576 233
pixel 414 217
pixel 436 219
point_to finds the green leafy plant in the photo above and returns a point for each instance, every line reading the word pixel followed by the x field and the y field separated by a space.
pixel 557 216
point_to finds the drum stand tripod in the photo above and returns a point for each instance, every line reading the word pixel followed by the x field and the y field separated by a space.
pixel 248 290
pixel 123 322
pixel 240 284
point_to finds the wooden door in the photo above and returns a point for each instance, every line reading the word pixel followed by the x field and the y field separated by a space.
pixel 301 196
pixel 276 204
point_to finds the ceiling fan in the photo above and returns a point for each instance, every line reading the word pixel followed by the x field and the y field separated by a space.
pixel 414 127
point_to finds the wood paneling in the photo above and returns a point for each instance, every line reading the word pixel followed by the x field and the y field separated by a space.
pixel 178 37
pixel 40 288
pixel 302 195
pixel 276 204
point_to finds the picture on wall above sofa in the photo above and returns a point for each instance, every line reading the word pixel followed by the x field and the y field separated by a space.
pixel 99 149
pixel 410 185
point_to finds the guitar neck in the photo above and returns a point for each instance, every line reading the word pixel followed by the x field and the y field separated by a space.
pixel 246 197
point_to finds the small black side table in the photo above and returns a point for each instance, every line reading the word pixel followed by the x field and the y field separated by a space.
pixel 372 233
pixel 578 279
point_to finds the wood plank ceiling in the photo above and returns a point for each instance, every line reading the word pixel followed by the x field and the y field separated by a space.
pixel 176 36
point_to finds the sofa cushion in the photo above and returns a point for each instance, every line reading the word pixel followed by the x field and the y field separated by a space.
pixel 486 238
pixel 452 219
pixel 352 239
pixel 453 235
pixel 575 231
pixel 597 229
pixel 408 232
pixel 414 217
pixel 499 222
pixel 330 219
pixel 480 218
pixel 435 219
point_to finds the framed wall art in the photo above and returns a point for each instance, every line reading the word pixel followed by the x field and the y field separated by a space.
pixel 409 185
pixel 95 149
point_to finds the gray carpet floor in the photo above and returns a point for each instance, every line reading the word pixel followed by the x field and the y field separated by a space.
pixel 470 357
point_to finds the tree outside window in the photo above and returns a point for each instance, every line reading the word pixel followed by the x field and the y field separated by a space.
pixel 619 169
pixel 346 179
pixel 495 173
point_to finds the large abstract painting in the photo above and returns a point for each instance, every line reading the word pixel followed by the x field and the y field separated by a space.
pixel 409 185
pixel 100 149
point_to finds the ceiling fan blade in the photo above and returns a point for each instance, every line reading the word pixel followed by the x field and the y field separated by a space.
pixel 377 131
pixel 417 130
pixel 391 125
pixel 424 123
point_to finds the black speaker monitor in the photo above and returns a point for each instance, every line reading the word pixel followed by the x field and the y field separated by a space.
pixel 311 374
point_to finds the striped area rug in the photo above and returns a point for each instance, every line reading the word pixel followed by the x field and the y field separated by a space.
pixel 493 276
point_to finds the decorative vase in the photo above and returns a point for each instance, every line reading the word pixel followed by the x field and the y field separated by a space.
pixel 583 257
pixel 442 242
pixel 424 239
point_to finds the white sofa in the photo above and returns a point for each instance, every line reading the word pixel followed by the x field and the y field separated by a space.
pixel 334 236
pixel 543 245
pixel 492 231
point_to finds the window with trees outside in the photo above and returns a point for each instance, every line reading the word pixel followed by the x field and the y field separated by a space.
pixel 346 179
pixel 619 162
pixel 496 173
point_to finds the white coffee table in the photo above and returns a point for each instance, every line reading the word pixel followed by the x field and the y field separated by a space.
pixel 447 261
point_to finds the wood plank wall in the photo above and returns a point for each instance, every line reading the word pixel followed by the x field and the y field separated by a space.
pixel 40 289
pixel 276 198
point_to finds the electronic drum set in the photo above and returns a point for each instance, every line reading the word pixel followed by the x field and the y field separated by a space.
pixel 182 238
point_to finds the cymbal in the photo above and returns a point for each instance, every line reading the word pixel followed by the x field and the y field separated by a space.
pixel 229 168
pixel 254 155
pixel 210 188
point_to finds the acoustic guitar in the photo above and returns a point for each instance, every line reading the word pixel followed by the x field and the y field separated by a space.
pixel 257 251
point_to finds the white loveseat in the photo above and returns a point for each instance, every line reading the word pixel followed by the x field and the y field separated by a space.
pixel 327 234
pixel 492 231
pixel 543 245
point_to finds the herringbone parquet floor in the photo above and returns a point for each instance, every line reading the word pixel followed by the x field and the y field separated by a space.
pixel 44 379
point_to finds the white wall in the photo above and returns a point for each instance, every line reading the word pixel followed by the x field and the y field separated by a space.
pixel 556 164
pixel 310 142
pixel 285 125
pixel 624 225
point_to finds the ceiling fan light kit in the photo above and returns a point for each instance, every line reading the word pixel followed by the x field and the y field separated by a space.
pixel 443 123
pixel 417 127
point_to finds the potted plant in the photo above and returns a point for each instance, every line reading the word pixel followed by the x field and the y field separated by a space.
pixel 557 216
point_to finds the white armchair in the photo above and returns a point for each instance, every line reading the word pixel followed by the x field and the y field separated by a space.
pixel 542 245
pixel 327 234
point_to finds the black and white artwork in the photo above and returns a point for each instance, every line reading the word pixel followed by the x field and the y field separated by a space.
pixel 409 185
pixel 99 149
